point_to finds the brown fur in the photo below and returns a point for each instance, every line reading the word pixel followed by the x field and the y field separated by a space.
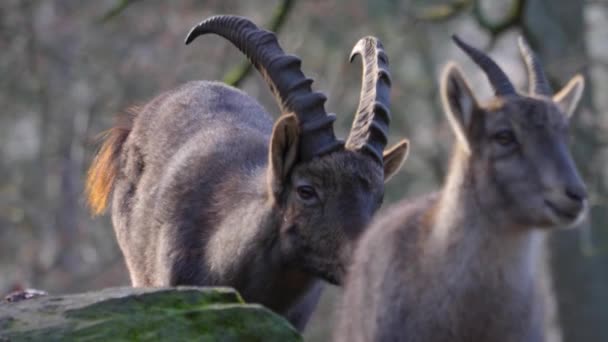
pixel 104 168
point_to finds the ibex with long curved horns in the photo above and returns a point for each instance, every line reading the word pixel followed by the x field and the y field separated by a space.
pixel 461 264
pixel 207 192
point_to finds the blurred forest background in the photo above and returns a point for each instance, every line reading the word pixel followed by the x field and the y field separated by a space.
pixel 67 67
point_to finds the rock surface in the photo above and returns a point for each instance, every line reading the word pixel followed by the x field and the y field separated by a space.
pixel 130 314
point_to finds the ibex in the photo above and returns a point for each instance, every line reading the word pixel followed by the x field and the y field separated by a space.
pixel 206 191
pixel 461 264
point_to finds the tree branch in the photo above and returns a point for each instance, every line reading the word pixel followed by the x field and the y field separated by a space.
pixel 238 74
pixel 116 10
pixel 512 19
pixel 441 12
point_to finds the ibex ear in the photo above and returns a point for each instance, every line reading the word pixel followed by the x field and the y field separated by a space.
pixel 459 103
pixel 567 99
pixel 283 151
pixel 394 158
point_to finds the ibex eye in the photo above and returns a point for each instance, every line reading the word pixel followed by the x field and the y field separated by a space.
pixel 504 138
pixel 306 192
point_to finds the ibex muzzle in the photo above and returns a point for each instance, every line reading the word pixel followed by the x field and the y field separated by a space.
pixel 207 191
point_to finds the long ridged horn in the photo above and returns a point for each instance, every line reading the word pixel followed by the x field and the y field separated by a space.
pixel 370 126
pixel 292 89
pixel 498 79
pixel 537 80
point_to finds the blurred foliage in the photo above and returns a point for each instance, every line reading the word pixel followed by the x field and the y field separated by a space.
pixel 117 9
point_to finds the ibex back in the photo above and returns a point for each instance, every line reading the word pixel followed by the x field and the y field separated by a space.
pixel 207 192
pixel 462 264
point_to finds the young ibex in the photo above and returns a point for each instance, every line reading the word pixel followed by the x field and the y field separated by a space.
pixel 207 192
pixel 459 265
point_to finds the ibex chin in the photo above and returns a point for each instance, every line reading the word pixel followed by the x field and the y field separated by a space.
pixel 205 191
pixel 461 264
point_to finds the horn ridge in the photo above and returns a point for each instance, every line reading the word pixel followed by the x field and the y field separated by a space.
pixel 369 131
pixel 537 80
pixel 318 124
pixel 280 71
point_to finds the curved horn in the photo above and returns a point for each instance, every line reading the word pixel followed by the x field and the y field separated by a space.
pixel 537 80
pixel 370 126
pixel 282 73
pixel 498 79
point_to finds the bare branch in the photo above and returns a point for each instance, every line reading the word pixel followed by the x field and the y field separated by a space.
pixel 441 12
pixel 238 74
pixel 116 10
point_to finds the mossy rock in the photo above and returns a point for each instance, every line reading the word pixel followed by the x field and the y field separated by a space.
pixel 129 314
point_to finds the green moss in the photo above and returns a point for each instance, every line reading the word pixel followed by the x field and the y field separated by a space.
pixel 161 300
pixel 182 314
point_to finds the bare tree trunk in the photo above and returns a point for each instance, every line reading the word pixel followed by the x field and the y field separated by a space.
pixel 556 29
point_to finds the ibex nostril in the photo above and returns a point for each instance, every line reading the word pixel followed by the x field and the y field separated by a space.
pixel 578 195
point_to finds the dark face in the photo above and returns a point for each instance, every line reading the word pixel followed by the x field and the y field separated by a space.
pixel 328 202
pixel 324 204
pixel 522 163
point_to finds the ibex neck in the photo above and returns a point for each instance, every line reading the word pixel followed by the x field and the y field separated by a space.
pixel 247 247
pixel 465 229
pixel 456 208
pixel 248 225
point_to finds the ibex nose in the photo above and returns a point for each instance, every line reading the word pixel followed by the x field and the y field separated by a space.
pixel 574 188
pixel 576 193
